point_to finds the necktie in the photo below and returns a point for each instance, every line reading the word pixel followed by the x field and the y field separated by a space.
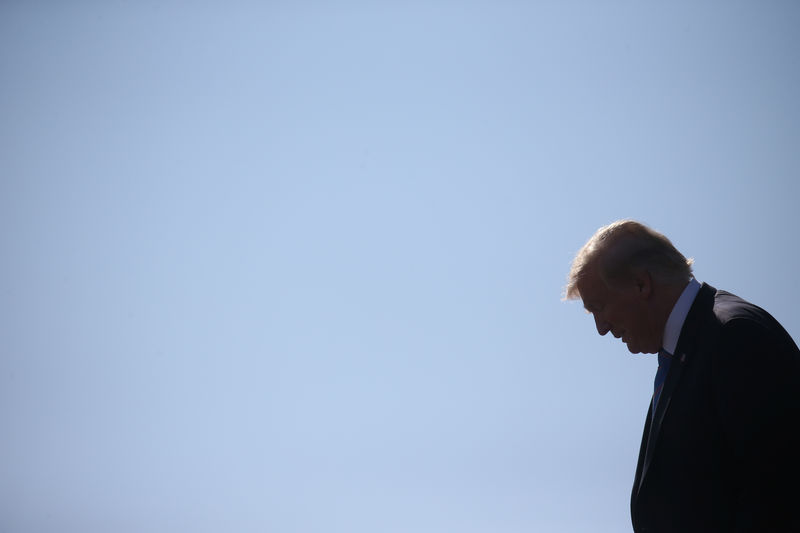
pixel 664 358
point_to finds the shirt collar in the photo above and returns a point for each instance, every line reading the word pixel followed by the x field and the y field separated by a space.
pixel 677 317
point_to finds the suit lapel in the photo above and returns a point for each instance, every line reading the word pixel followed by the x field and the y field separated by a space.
pixel 670 384
pixel 686 347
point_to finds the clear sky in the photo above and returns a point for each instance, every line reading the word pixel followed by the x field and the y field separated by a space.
pixel 297 267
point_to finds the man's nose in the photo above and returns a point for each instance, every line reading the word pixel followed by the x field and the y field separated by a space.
pixel 603 327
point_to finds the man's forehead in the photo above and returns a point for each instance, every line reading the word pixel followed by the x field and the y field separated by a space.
pixel 590 305
pixel 590 288
pixel 589 278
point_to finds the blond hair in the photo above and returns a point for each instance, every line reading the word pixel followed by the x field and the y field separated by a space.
pixel 623 247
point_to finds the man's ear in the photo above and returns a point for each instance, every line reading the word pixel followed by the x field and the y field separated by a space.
pixel 644 283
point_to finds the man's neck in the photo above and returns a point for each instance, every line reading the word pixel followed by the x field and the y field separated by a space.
pixel 671 294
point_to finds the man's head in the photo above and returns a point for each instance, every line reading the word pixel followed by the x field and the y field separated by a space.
pixel 629 277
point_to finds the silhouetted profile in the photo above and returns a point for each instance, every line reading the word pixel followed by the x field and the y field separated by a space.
pixel 721 443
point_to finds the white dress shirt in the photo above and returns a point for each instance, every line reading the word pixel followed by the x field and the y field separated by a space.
pixel 672 330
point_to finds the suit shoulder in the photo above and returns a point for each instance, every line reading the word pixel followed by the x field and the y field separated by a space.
pixel 743 322
pixel 728 308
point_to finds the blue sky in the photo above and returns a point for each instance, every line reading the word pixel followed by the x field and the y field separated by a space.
pixel 298 267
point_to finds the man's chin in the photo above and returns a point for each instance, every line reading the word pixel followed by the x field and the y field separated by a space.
pixel 638 349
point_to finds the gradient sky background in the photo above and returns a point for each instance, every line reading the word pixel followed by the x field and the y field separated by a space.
pixel 297 267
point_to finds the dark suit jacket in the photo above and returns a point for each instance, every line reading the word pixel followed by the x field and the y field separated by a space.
pixel 721 452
